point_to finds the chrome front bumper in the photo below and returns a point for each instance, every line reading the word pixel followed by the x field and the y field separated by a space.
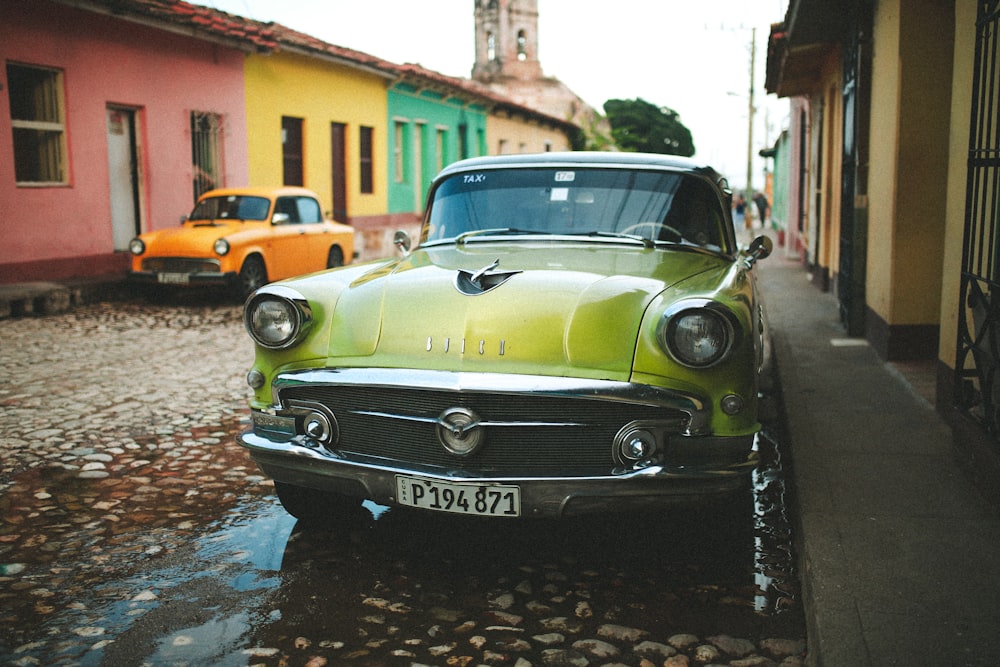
pixel 181 279
pixel 298 463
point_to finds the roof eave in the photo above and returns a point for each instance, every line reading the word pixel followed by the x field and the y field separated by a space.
pixel 246 44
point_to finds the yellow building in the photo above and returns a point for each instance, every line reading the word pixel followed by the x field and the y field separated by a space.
pixel 512 132
pixel 316 117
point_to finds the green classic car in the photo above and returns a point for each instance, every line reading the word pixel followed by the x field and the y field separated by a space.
pixel 574 332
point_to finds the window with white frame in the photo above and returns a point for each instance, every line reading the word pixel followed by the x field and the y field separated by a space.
pixel 38 121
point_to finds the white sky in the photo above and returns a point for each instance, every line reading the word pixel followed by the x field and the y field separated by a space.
pixel 692 56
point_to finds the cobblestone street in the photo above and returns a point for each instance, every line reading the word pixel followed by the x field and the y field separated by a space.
pixel 136 531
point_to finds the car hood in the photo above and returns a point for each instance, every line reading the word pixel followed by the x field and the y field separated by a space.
pixel 534 309
pixel 189 238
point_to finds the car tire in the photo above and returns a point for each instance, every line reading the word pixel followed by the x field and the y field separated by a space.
pixel 253 275
pixel 312 506
pixel 335 257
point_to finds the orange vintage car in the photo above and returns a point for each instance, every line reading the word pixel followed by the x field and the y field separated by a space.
pixel 243 238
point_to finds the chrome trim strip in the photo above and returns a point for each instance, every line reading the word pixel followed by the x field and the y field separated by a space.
pixel 503 383
pixel 441 422
pixel 170 264
pixel 296 449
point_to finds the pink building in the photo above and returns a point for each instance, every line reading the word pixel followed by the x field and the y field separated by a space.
pixel 112 120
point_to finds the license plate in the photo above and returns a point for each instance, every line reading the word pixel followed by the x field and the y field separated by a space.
pixel 173 278
pixel 502 500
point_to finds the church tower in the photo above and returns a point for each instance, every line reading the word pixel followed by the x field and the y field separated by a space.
pixel 506 41
pixel 507 63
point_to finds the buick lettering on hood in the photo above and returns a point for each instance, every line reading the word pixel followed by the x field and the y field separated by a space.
pixel 571 333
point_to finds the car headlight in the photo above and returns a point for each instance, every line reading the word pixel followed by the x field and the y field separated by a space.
pixel 221 247
pixel 277 317
pixel 136 246
pixel 697 334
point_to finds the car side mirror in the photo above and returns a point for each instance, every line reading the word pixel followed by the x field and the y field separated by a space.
pixel 280 218
pixel 402 241
pixel 760 248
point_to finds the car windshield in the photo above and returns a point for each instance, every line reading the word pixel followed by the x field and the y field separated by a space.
pixel 231 206
pixel 655 206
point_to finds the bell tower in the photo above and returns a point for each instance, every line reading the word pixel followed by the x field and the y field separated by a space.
pixel 506 41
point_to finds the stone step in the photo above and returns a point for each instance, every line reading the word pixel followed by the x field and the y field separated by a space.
pixel 37 298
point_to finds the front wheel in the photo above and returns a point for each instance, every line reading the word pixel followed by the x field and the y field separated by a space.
pixel 335 258
pixel 253 275
pixel 313 506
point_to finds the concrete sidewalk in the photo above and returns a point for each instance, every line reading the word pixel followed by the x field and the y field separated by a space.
pixel 52 298
pixel 899 555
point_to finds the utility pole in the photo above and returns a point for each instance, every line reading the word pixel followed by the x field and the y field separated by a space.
pixel 748 207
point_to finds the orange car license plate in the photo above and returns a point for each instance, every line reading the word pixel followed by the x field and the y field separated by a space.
pixel 501 500
pixel 173 278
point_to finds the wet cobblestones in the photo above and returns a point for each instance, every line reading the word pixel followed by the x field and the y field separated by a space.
pixel 134 530
pixel 113 379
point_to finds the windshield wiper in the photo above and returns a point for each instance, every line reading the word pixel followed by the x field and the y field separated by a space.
pixel 461 238
pixel 647 243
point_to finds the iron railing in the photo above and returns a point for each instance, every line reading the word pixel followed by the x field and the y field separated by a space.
pixel 978 356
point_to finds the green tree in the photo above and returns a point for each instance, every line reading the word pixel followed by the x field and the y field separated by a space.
pixel 638 126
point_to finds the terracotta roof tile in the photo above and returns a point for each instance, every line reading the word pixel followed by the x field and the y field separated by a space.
pixel 271 36
pixel 211 22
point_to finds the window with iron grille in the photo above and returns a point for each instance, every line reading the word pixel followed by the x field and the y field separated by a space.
pixel 977 365
pixel 206 151
pixel 37 118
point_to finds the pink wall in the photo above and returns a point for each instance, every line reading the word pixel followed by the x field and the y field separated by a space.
pixel 105 60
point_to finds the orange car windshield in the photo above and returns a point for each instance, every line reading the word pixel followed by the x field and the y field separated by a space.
pixel 232 206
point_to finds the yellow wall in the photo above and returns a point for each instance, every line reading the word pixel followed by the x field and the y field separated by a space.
pixel 910 108
pixel 883 148
pixel 961 102
pixel 321 93
pixel 828 250
pixel 516 135
pixel 822 202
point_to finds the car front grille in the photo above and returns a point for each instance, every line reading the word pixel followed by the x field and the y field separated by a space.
pixel 180 265
pixel 527 434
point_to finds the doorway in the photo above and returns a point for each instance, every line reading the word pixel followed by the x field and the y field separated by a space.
pixel 123 175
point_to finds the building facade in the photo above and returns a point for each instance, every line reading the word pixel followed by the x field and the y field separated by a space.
pixel 93 149
pixel 116 114
pixel 898 197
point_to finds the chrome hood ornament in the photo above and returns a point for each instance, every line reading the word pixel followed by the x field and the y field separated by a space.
pixel 472 283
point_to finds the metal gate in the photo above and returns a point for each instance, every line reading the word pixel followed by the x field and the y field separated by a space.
pixel 854 221
pixel 978 355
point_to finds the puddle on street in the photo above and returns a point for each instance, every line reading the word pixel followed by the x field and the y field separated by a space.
pixel 148 568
